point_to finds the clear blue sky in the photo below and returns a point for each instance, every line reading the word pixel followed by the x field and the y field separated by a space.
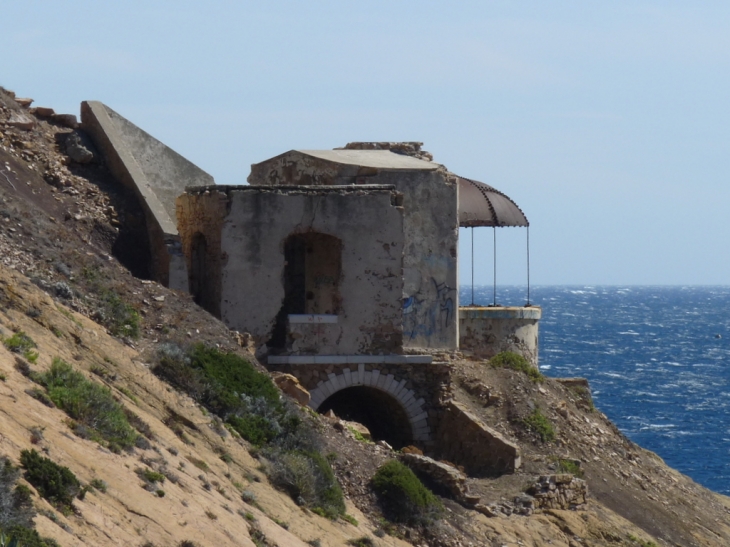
pixel 607 122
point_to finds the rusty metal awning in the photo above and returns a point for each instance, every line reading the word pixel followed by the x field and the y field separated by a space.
pixel 482 205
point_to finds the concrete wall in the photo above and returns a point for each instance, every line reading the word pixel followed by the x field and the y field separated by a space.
pixel 486 331
pixel 255 226
pixel 155 173
pixel 430 201
pixel 430 265
pixel 464 439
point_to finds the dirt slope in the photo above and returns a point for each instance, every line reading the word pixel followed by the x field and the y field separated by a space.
pixel 69 238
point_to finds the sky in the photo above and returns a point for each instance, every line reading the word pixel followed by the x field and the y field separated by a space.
pixel 607 122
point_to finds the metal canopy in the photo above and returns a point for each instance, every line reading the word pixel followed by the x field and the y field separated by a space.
pixel 482 205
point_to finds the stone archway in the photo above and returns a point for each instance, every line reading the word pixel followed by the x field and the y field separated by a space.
pixel 413 406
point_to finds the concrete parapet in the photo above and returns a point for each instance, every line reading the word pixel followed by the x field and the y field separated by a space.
pixel 486 331
pixel 156 174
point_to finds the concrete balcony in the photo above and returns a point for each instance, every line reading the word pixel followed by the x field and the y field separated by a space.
pixel 486 331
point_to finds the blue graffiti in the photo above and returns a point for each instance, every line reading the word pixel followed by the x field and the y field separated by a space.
pixel 425 315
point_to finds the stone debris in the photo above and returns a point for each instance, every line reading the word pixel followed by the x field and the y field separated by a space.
pixel 42 111
pixel 412 148
pixel 20 121
pixel 77 150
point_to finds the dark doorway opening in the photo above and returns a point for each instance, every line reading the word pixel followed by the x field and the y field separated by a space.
pixel 312 271
pixel 198 268
pixel 378 411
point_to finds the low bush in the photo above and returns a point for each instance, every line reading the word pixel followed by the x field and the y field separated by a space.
pixel 16 506
pixel 403 496
pixel 23 344
pixel 308 478
pixel 25 536
pixel 538 423
pixel 98 416
pixel 515 361
pixel 119 317
pixel 569 466
pixel 54 482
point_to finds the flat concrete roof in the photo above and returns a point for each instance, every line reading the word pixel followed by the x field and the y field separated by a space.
pixel 297 189
pixel 380 159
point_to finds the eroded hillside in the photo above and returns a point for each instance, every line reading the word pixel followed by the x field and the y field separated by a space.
pixel 67 248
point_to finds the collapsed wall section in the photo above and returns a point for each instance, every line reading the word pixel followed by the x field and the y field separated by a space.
pixel 156 174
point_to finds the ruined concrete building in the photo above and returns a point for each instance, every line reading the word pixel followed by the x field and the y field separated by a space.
pixel 329 252
pixel 342 266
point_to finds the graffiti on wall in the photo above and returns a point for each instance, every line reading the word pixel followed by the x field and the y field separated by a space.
pixel 430 313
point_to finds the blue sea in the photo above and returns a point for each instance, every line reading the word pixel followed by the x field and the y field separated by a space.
pixel 657 358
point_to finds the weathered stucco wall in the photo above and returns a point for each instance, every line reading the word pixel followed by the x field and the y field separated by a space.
pixel 486 331
pixel 430 201
pixel 256 226
pixel 201 215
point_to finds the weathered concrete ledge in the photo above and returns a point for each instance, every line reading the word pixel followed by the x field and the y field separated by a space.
pixel 156 174
pixel 486 331
pixel 500 312
pixel 349 359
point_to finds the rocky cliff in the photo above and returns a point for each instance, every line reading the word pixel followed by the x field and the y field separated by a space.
pixel 73 282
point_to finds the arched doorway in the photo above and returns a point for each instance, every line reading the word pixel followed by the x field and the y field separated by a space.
pixel 377 410
pixel 311 279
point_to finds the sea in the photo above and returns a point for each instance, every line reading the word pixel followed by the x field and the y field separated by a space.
pixel 657 358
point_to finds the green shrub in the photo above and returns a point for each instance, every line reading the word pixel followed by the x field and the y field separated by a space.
pixel 151 476
pixel 55 483
pixel 363 541
pixel 23 344
pixel 19 343
pixel 538 423
pixel 403 496
pixel 349 518
pixel 569 466
pixel 99 484
pixel 99 416
pixel 308 478
pixel 119 317
pixel 24 536
pixel 16 505
pixel 229 386
pixel 515 361
pixel 258 430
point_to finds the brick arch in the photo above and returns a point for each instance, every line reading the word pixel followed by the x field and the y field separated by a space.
pixel 413 406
